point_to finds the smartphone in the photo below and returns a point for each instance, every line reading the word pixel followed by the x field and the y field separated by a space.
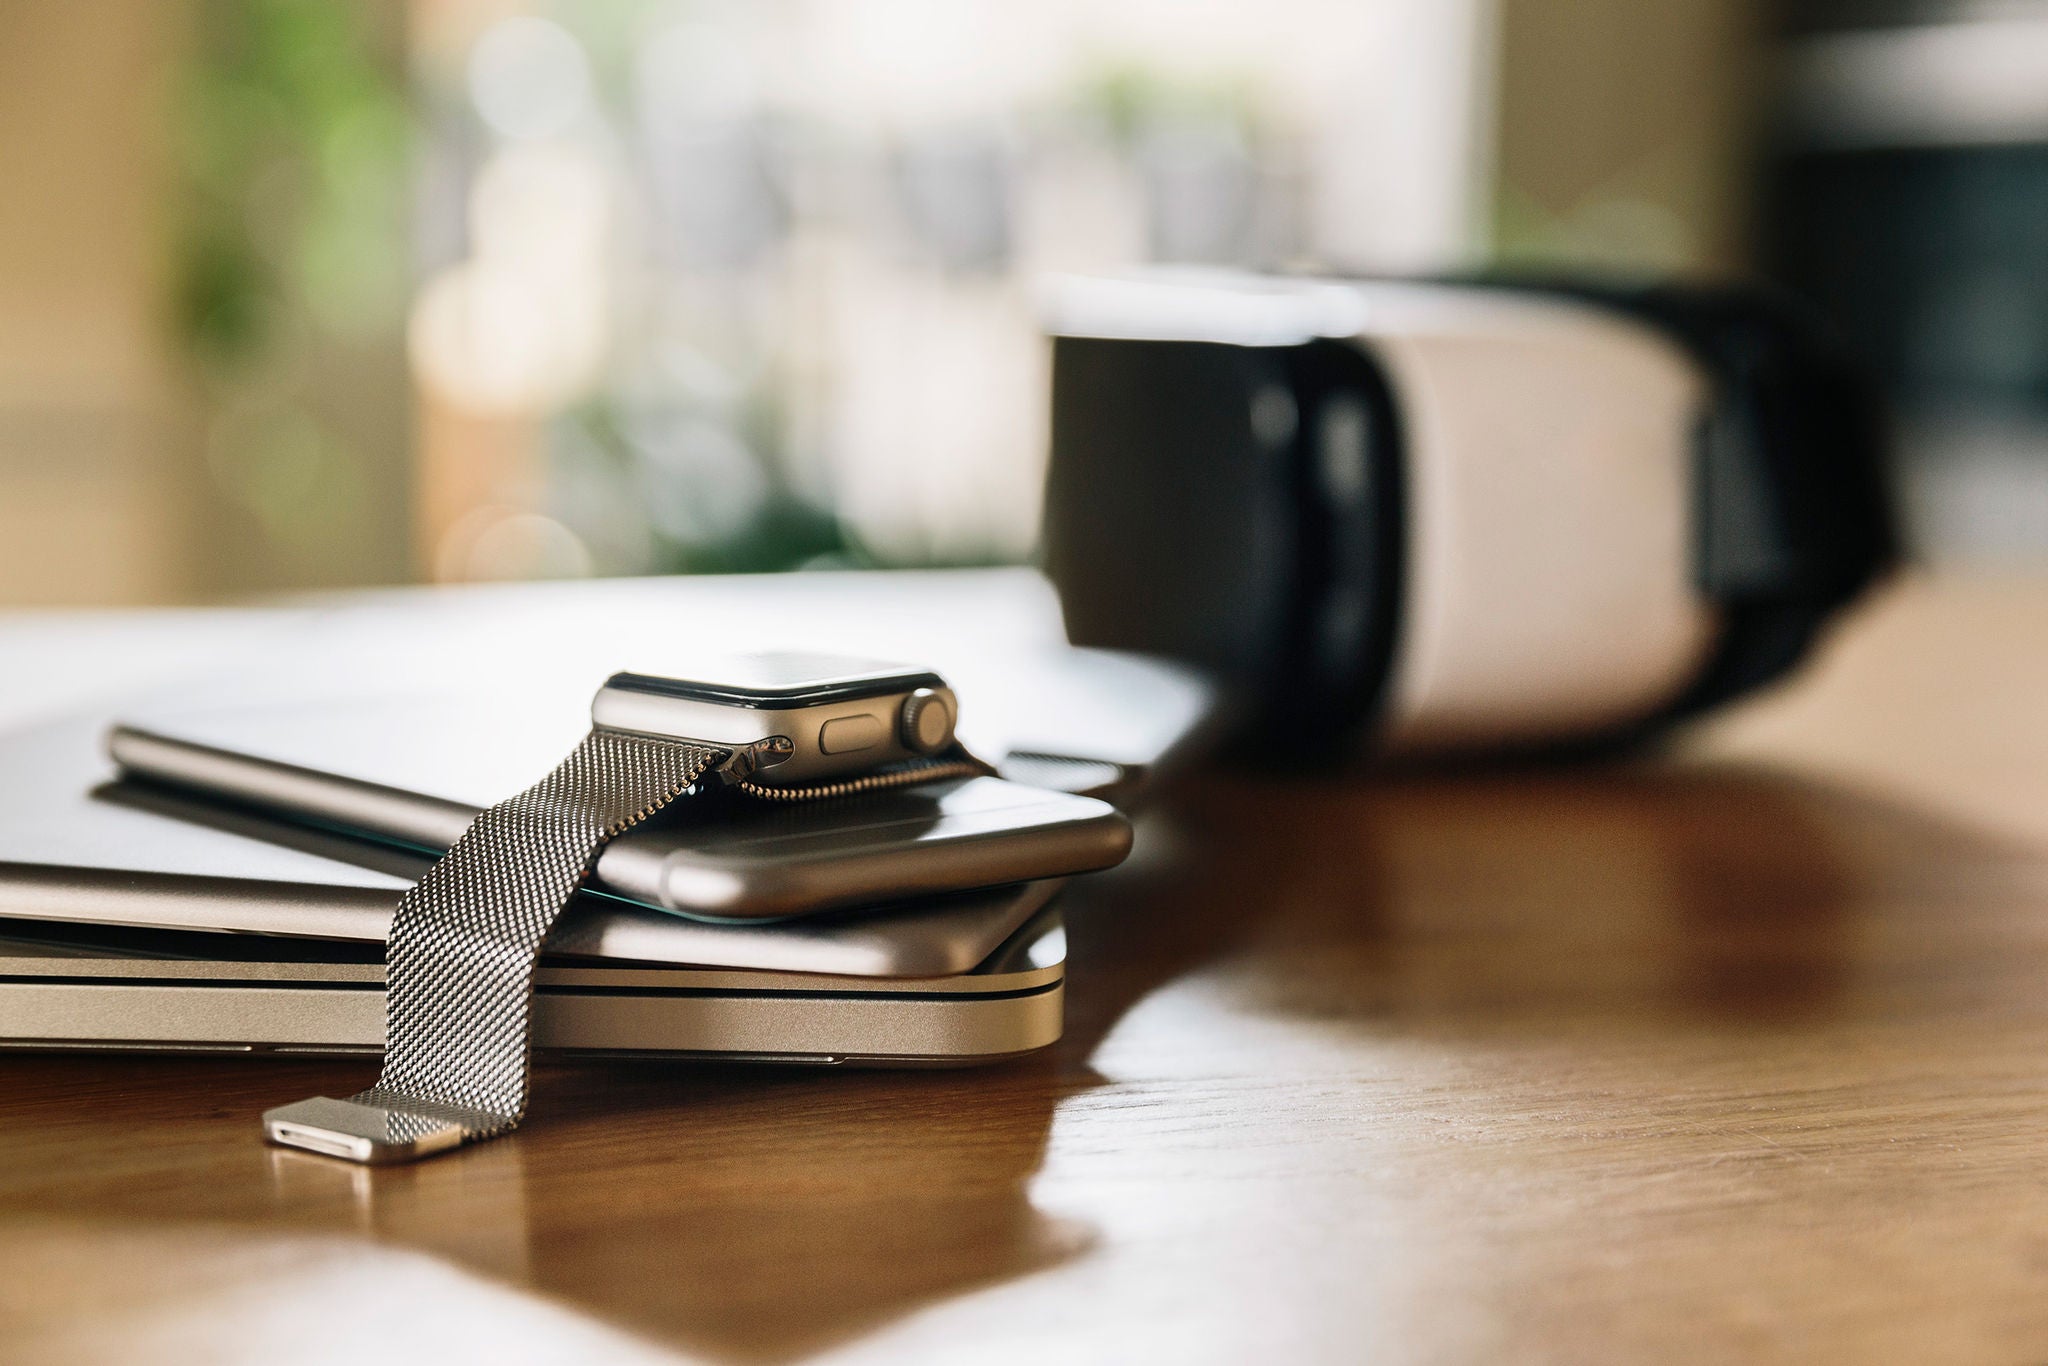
pixel 415 773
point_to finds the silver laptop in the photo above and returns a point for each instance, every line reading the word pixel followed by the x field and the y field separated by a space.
pixel 118 914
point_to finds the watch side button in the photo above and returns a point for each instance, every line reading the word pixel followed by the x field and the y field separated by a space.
pixel 850 734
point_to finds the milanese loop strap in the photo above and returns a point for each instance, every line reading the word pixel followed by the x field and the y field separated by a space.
pixel 463 949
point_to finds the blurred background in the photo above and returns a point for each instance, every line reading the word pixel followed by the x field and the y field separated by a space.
pixel 299 294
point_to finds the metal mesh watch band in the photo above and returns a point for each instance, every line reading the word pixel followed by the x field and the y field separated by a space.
pixel 464 946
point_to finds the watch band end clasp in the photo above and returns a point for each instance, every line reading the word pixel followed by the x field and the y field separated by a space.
pixel 358 1131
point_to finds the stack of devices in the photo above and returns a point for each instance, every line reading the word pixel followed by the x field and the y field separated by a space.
pixel 194 879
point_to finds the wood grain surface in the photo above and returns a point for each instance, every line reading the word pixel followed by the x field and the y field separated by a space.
pixel 1735 1051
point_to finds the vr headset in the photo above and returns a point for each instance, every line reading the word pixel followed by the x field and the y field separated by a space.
pixel 1436 516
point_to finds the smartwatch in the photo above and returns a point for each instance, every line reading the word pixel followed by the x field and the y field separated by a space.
pixel 465 942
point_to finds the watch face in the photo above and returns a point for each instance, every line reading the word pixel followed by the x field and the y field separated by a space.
pixel 781 679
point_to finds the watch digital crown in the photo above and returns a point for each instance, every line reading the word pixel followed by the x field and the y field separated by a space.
pixel 926 722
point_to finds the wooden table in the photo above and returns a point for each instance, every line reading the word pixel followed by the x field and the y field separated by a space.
pixel 1740 1051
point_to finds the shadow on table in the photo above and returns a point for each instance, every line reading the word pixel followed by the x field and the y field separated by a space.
pixel 756 1213
pixel 1723 896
